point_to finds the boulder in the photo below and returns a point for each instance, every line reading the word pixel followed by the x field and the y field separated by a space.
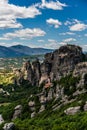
pixel 33 114
pixel 31 105
pixel 18 111
pixel 9 126
pixel 1 119
pixel 85 107
pixel 42 108
pixel 72 110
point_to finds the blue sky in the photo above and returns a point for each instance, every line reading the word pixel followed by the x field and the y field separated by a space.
pixel 43 23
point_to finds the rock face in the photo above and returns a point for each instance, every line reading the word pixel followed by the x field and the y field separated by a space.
pixel 27 68
pixel 36 72
pixel 81 70
pixel 9 126
pixel 65 59
pixel 55 65
pixel 17 113
pixel 72 110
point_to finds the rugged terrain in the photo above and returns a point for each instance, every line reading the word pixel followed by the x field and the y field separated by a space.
pixel 48 95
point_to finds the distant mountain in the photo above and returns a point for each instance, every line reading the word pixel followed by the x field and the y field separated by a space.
pixel 19 50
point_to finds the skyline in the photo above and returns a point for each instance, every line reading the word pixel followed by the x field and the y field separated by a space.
pixel 46 24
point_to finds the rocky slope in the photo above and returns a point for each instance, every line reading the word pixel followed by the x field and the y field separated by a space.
pixel 62 74
pixel 58 85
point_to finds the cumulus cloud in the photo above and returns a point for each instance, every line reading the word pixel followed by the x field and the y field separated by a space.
pixel 9 13
pixel 56 23
pixel 78 27
pixel 9 24
pixel 25 33
pixel 55 5
pixel 75 25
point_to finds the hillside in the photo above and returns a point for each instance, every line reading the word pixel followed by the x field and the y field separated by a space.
pixel 19 50
pixel 51 95
pixel 30 51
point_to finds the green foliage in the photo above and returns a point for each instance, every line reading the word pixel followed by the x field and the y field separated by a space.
pixel 49 119
pixel 69 83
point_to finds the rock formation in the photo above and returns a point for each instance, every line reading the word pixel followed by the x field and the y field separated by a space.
pixel 9 126
pixel 72 110
pixel 1 119
pixel 18 110
pixel 57 64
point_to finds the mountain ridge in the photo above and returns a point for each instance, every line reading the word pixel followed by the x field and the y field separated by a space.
pixel 20 50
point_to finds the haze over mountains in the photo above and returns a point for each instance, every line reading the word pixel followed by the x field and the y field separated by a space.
pixel 20 50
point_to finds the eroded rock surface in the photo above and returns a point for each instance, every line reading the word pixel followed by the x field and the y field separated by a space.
pixel 72 110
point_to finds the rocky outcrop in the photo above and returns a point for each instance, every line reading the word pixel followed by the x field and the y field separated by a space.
pixel 72 110
pixel 42 100
pixel 19 77
pixel 59 63
pixel 36 72
pixel 18 111
pixel 31 105
pixel 28 72
pixel 9 126
pixel 33 114
pixel 85 106
pixel 1 119
pixel 80 69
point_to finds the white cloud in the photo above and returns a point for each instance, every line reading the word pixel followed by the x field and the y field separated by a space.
pixel 4 38
pixel 53 44
pixel 25 33
pixel 69 40
pixel 9 24
pixel 10 44
pixel 67 33
pixel 71 21
pixel 78 27
pixel 52 5
pixel 85 35
pixel 3 44
pixel 40 40
pixel 75 25
pixel 68 23
pixel 56 23
pixel 84 47
pixel 52 41
pixel 9 13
